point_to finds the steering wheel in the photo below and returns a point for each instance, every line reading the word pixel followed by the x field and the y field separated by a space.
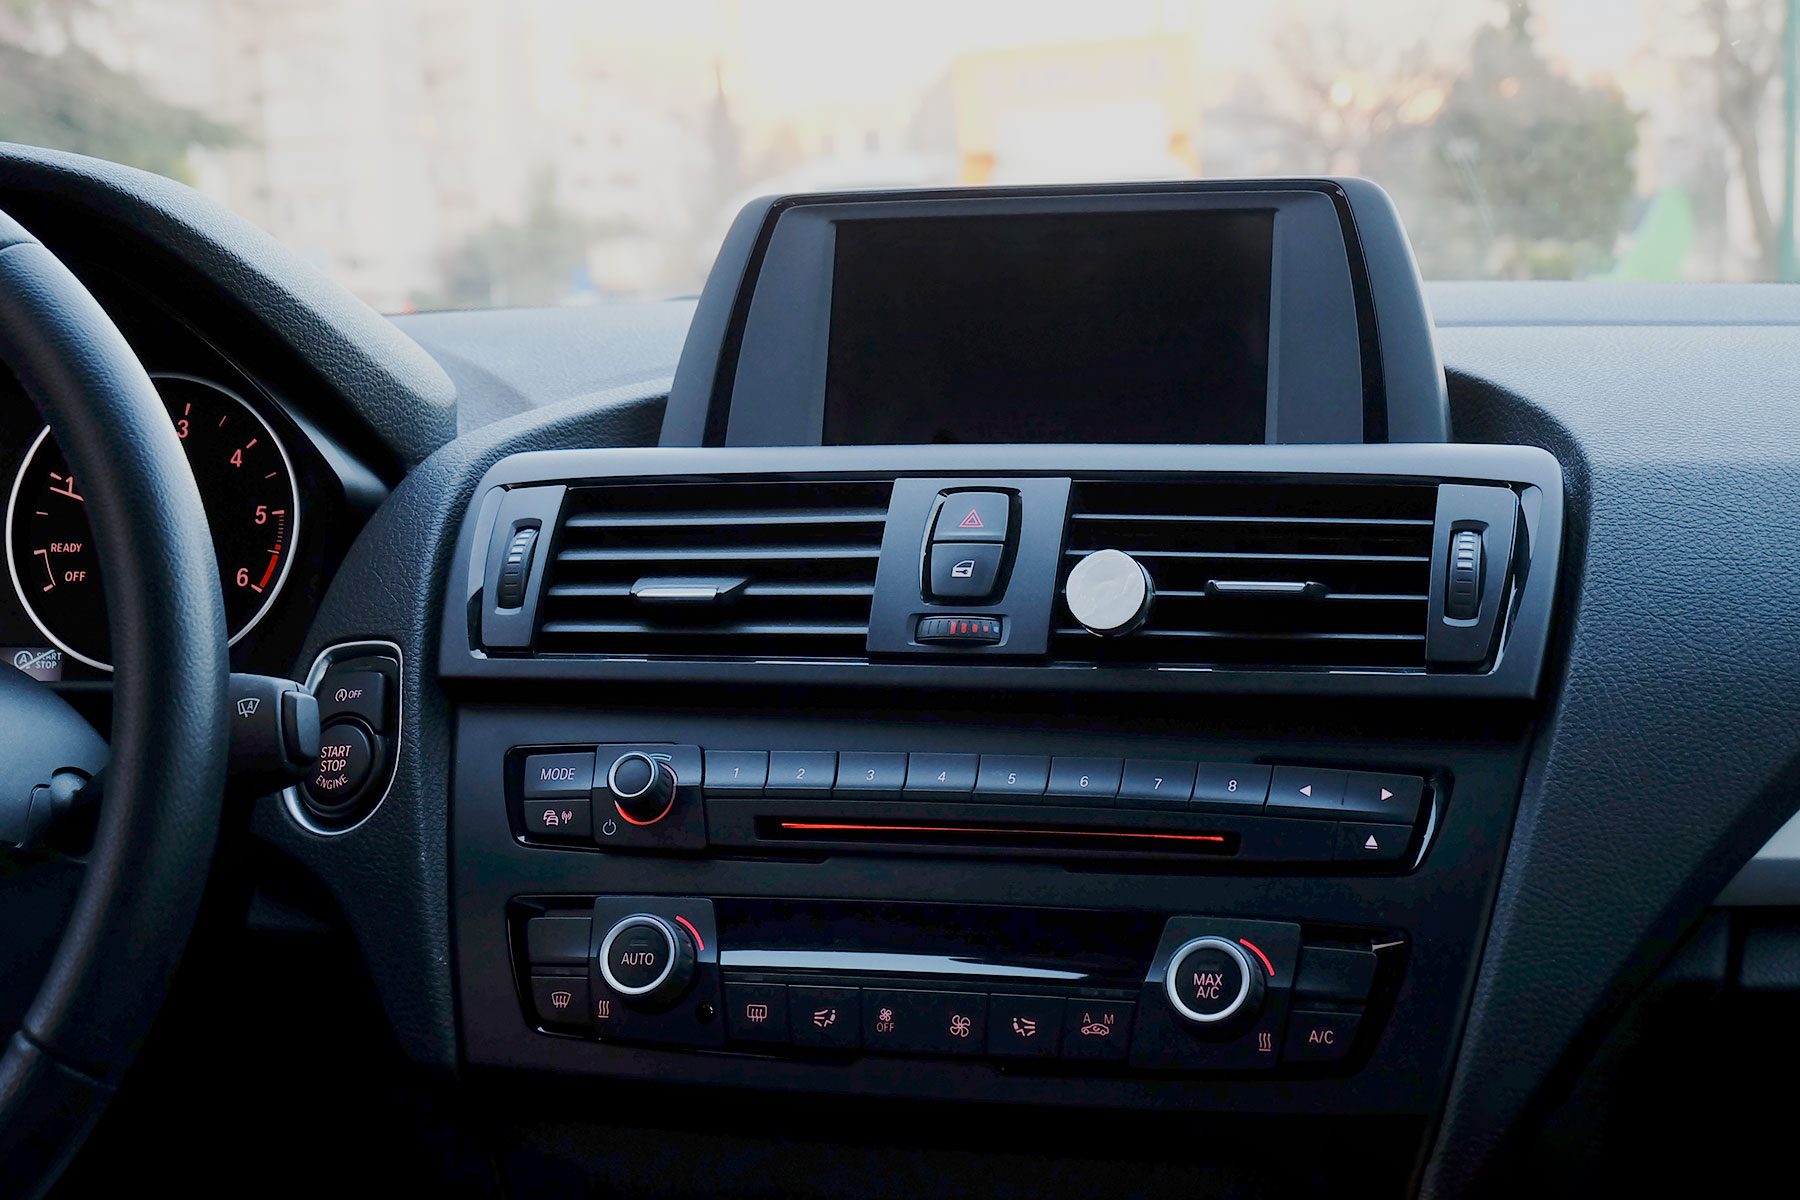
pixel 159 820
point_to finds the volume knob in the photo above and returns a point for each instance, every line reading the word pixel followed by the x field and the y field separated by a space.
pixel 1109 592
pixel 642 787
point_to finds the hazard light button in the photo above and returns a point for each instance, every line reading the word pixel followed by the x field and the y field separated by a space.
pixel 973 517
pixel 1363 841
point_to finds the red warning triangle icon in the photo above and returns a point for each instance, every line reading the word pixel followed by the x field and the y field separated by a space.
pixel 972 521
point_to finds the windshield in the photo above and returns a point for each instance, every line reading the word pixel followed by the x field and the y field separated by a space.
pixel 474 153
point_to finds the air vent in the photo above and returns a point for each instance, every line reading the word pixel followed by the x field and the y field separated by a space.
pixel 711 570
pixel 1262 575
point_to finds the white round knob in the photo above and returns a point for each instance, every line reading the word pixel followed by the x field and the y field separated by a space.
pixel 1109 592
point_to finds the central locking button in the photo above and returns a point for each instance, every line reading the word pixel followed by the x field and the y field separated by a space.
pixel 965 570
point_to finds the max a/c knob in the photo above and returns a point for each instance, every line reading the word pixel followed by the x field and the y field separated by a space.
pixel 1109 593
pixel 648 961
pixel 642 787
pixel 1211 983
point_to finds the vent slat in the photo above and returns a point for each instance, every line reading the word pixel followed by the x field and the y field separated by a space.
pixel 1362 552
pixel 782 570
pixel 1297 556
pixel 1329 598
pixel 1190 519
pixel 667 554
pixel 1253 636
pixel 754 590
pixel 725 629
pixel 586 521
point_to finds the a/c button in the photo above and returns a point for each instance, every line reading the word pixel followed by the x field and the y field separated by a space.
pixel 1319 1036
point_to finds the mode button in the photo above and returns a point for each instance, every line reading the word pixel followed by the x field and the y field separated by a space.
pixel 559 776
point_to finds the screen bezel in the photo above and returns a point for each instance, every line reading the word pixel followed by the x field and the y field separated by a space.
pixel 1316 376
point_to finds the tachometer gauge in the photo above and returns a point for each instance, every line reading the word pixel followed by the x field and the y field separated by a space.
pixel 246 482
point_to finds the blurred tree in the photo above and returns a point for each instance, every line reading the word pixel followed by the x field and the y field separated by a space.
pixel 1348 95
pixel 1541 167
pixel 1346 98
pixel 68 99
pixel 1745 60
pixel 541 260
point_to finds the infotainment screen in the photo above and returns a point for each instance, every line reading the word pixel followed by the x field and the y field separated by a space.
pixel 1094 327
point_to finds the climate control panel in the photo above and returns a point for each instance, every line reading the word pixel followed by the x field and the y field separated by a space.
pixel 1182 993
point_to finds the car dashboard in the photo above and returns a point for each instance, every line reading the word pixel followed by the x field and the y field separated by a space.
pixel 772 785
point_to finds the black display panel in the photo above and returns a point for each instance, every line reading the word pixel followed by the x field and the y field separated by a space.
pixel 1124 327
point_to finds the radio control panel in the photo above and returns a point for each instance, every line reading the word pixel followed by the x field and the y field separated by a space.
pixel 680 798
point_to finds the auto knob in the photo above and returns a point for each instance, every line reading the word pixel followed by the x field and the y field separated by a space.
pixel 642 787
pixel 648 961
pixel 1109 592
pixel 1212 984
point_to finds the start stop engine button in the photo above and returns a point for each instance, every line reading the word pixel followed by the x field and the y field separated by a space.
pixel 346 759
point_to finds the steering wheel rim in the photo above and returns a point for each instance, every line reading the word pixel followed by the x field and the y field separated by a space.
pixel 159 819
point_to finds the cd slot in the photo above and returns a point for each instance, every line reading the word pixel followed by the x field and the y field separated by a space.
pixel 973 828
pixel 1009 835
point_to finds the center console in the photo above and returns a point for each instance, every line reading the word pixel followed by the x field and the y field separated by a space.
pixel 845 745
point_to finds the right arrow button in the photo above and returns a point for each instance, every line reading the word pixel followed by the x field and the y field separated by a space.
pixel 1378 797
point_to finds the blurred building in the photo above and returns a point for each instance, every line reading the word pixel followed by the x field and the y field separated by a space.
pixel 379 135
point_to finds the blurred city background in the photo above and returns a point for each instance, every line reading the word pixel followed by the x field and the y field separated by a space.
pixel 459 153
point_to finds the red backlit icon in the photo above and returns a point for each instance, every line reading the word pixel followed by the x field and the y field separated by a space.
pixel 972 521
pixel 603 1010
pixel 756 1014
pixel 1092 1028
pixel 960 1025
pixel 561 1000
pixel 825 1018
pixel 1025 1027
